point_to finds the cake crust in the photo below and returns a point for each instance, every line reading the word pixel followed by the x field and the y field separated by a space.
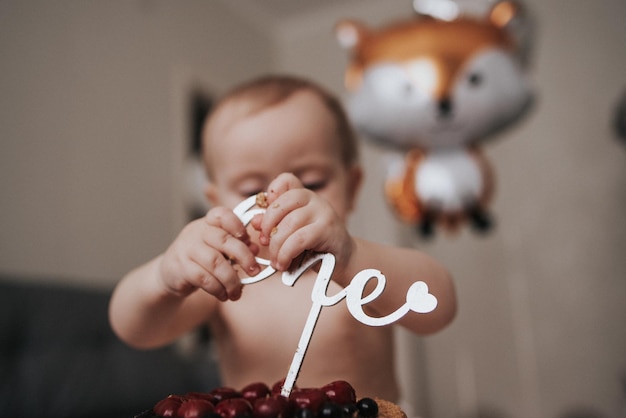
pixel 387 409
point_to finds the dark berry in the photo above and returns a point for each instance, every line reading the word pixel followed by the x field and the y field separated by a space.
pixel 367 408
pixel 304 413
pixel 330 410
pixel 349 409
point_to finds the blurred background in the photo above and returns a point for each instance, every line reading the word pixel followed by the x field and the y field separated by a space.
pixel 99 104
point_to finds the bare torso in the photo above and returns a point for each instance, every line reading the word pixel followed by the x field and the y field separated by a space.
pixel 257 337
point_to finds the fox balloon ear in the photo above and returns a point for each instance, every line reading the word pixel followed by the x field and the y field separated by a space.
pixel 512 17
pixel 503 13
pixel 351 34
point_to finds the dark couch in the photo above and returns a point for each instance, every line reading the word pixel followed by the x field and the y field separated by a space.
pixel 59 358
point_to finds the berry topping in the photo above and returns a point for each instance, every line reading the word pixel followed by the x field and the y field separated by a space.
pixel 340 392
pixel 308 398
pixel 234 408
pixel 195 408
pixel 304 413
pixel 200 395
pixel 223 393
pixel 254 391
pixel 278 387
pixel 257 400
pixel 349 410
pixel 330 410
pixel 272 407
pixel 367 408
pixel 168 407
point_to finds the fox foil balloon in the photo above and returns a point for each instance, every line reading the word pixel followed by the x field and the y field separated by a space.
pixel 435 89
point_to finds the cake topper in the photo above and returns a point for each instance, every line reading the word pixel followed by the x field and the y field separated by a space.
pixel 417 298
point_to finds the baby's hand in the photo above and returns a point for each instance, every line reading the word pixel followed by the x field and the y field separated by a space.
pixel 204 254
pixel 296 220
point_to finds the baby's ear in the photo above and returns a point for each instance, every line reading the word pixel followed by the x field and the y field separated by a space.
pixel 210 191
pixel 355 179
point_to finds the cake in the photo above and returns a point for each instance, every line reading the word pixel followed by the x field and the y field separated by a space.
pixel 257 400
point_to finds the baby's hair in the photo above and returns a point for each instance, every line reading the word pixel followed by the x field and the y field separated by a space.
pixel 270 90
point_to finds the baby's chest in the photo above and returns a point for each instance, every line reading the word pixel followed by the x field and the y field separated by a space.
pixel 271 313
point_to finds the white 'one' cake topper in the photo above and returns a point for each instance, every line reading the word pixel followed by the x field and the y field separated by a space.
pixel 417 298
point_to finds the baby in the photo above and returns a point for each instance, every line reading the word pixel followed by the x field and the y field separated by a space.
pixel 289 138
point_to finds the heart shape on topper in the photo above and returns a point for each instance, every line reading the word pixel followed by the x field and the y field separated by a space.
pixel 419 299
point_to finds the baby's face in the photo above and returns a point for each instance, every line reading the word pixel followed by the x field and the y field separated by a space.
pixel 297 136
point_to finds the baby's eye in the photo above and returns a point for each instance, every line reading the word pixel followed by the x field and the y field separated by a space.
pixel 315 185
pixel 248 193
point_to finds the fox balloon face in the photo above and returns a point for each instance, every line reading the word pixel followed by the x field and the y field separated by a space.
pixel 433 83
pixel 438 87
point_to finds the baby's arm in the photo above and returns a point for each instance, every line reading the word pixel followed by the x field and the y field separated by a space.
pixel 159 301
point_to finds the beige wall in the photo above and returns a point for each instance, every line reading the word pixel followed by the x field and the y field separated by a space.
pixel 540 330
pixel 92 123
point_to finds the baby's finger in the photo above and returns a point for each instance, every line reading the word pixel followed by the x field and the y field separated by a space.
pixel 228 235
pixel 233 249
pixel 216 275
pixel 285 214
pixel 225 219
pixel 281 184
pixel 293 245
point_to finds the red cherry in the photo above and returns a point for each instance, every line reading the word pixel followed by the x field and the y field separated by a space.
pixel 272 407
pixel 340 392
pixel 308 398
pixel 220 394
pixel 199 395
pixel 234 408
pixel 277 387
pixel 254 391
pixel 195 408
pixel 167 407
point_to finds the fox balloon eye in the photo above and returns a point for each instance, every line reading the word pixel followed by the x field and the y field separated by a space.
pixel 475 79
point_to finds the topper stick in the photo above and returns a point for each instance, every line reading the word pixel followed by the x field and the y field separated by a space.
pixel 325 271
pixel 303 345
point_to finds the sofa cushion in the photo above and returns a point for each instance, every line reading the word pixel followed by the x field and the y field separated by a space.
pixel 60 358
